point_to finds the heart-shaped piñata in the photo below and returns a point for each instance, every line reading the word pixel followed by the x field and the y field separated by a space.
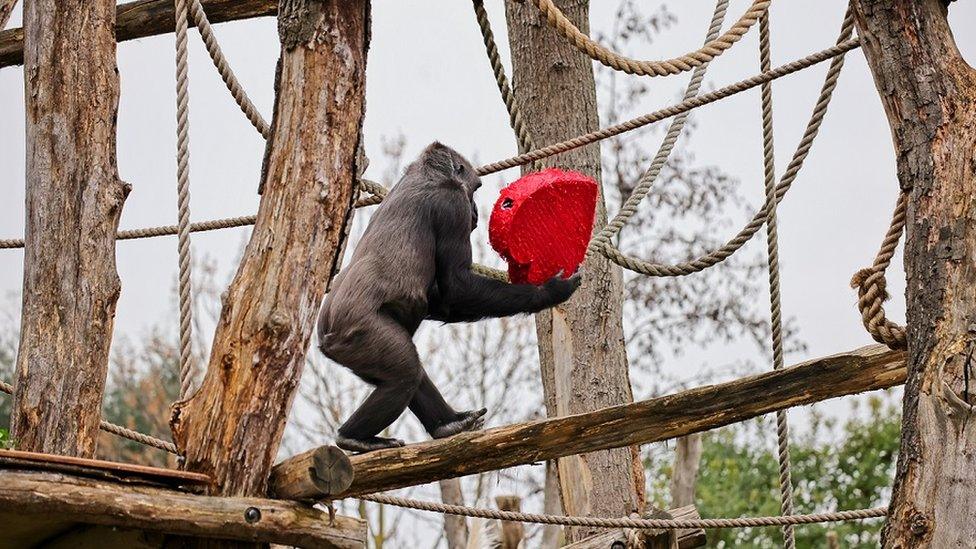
pixel 541 224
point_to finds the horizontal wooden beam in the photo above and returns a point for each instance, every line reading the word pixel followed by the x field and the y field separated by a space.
pixel 60 498
pixel 148 18
pixel 663 418
pixel 322 470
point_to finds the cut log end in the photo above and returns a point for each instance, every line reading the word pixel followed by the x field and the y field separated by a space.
pixel 316 474
pixel 331 470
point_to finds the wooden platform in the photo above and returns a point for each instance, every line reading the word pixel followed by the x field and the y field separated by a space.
pixel 44 508
pixel 97 468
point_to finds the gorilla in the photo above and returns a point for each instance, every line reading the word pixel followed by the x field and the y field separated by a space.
pixel 414 263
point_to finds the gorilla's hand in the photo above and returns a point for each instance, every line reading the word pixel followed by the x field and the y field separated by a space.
pixel 559 289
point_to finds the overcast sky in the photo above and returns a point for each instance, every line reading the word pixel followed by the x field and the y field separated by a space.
pixel 428 79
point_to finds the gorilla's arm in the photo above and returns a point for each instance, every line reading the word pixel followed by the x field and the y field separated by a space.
pixel 463 296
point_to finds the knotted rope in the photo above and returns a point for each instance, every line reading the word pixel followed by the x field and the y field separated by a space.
pixel 872 288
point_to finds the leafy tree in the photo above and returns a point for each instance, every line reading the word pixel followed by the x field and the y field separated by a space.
pixel 835 467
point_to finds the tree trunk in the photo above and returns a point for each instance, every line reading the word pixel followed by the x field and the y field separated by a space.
pixel 928 92
pixel 74 200
pixel 231 427
pixel 455 527
pixel 684 477
pixel 581 349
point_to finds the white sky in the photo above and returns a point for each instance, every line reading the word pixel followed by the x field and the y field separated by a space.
pixel 428 79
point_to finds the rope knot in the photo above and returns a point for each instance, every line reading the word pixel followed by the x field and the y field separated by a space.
pixel 872 289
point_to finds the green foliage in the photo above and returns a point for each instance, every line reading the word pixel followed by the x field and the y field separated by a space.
pixel 835 467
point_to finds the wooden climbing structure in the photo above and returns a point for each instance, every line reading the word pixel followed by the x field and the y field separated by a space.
pixel 226 431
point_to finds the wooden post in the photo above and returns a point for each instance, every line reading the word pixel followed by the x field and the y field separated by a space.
pixel 929 92
pixel 512 533
pixel 455 526
pixel 231 427
pixel 581 344
pixel 684 474
pixel 662 418
pixel 74 200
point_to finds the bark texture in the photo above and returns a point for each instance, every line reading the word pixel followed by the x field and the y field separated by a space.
pixel 653 420
pixel 145 18
pixel 684 475
pixel 231 427
pixel 74 200
pixel 581 347
pixel 30 497
pixel 928 92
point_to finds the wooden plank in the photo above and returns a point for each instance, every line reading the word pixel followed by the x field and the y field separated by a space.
pixel 16 459
pixel 148 18
pixel 701 409
pixel 37 497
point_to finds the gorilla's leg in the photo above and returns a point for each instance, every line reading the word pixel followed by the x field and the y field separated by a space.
pixel 437 416
pixel 381 353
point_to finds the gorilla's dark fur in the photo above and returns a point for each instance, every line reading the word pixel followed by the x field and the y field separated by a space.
pixel 414 263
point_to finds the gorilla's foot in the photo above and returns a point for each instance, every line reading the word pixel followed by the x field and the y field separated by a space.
pixel 366 445
pixel 471 420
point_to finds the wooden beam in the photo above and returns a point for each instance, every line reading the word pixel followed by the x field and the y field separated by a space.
pixel 701 409
pixel 148 18
pixel 41 496
pixel 323 470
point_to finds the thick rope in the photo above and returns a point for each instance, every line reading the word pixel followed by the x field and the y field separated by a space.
pixel 183 197
pixel 118 429
pixel 597 522
pixel 213 224
pixel 872 288
pixel 775 304
pixel 806 142
pixel 712 49
pixel 643 186
pixel 504 88
pixel 226 73
pixel 581 141
pixel 834 52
